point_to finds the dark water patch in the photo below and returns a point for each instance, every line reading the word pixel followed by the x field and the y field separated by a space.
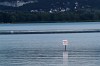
pixel 48 31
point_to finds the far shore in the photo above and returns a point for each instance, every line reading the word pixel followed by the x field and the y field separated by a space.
pixel 50 22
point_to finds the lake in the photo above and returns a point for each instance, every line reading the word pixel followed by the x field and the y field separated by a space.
pixel 48 49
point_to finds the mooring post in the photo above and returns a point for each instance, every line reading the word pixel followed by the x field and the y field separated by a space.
pixel 65 47
pixel 65 43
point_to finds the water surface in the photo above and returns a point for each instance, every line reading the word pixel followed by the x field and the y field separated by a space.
pixel 47 49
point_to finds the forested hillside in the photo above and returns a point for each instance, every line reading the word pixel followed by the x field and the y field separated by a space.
pixel 47 5
pixel 17 11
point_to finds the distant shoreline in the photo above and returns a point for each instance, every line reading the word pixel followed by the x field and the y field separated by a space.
pixel 50 22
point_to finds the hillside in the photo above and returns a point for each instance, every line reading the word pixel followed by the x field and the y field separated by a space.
pixel 48 5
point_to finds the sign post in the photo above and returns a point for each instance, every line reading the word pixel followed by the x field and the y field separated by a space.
pixel 65 43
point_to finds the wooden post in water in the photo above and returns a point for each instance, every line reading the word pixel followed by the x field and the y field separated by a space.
pixel 65 43
pixel 65 47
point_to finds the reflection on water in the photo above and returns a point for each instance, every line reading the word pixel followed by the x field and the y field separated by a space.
pixel 65 58
pixel 31 57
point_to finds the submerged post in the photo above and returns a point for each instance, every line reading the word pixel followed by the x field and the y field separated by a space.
pixel 65 43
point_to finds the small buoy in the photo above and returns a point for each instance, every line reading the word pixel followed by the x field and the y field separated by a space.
pixel 65 43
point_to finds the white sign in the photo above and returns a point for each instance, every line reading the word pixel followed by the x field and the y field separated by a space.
pixel 65 42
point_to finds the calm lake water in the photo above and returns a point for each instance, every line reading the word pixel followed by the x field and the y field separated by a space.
pixel 47 49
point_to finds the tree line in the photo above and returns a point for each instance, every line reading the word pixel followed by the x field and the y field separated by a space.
pixel 35 17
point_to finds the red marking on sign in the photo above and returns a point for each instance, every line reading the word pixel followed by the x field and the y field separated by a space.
pixel 65 42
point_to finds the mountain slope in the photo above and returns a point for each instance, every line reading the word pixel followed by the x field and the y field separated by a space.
pixel 47 5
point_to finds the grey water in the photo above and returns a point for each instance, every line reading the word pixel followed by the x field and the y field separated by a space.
pixel 47 49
